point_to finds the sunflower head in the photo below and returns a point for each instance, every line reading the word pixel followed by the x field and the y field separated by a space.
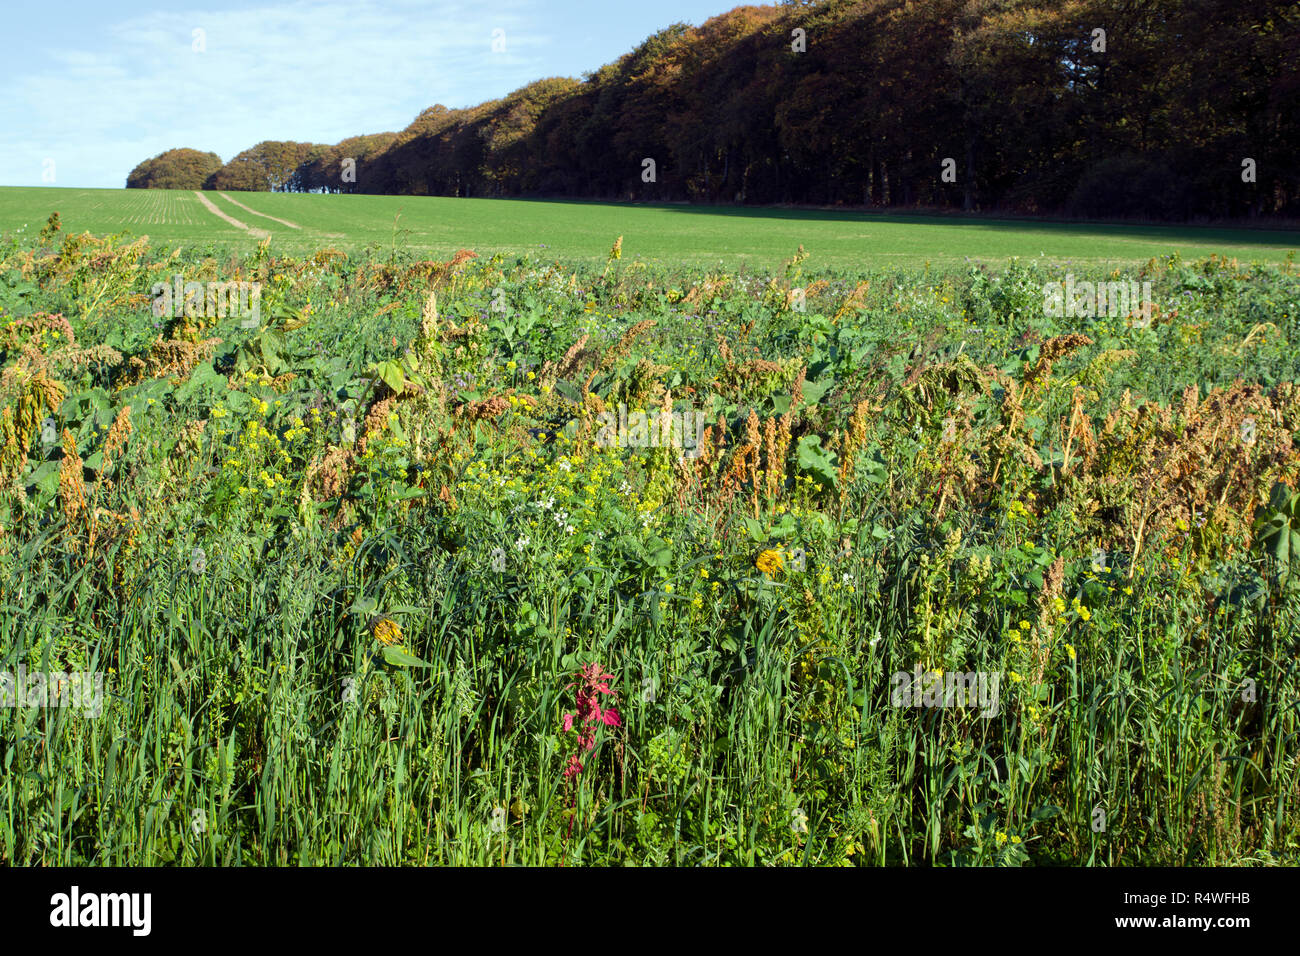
pixel 769 562
pixel 386 631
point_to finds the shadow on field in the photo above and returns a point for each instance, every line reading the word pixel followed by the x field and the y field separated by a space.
pixel 1153 232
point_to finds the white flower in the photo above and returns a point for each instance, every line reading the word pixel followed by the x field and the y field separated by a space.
pixel 522 542
pixel 564 464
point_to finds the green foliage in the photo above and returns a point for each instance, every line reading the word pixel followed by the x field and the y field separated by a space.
pixel 1277 529
pixel 342 571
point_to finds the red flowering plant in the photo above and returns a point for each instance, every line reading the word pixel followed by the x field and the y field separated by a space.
pixel 592 682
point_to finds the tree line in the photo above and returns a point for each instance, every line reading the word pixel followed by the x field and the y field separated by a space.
pixel 1165 109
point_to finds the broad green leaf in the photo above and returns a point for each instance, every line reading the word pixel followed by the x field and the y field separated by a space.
pixel 400 658
pixel 391 373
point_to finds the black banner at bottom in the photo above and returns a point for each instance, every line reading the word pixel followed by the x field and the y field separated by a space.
pixel 337 906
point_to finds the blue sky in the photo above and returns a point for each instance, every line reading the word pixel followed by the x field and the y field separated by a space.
pixel 93 88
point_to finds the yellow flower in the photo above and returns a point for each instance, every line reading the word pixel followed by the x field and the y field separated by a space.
pixel 387 631
pixel 769 562
pixel 1001 838
pixel 1069 650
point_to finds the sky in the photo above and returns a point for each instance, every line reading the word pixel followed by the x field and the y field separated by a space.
pixel 94 87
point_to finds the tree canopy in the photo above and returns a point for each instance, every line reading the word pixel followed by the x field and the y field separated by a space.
pixel 1161 108
pixel 174 169
pixel 271 165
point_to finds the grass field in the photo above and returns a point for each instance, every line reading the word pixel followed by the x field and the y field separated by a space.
pixel 579 232
pixel 375 579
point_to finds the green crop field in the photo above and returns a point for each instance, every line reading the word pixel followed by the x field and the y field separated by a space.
pixel 400 572
pixel 583 231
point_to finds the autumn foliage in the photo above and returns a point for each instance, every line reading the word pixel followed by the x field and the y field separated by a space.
pixel 1086 107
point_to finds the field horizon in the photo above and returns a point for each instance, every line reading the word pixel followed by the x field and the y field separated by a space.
pixel 581 231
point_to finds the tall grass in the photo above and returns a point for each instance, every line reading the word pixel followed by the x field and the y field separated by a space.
pixel 252 717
